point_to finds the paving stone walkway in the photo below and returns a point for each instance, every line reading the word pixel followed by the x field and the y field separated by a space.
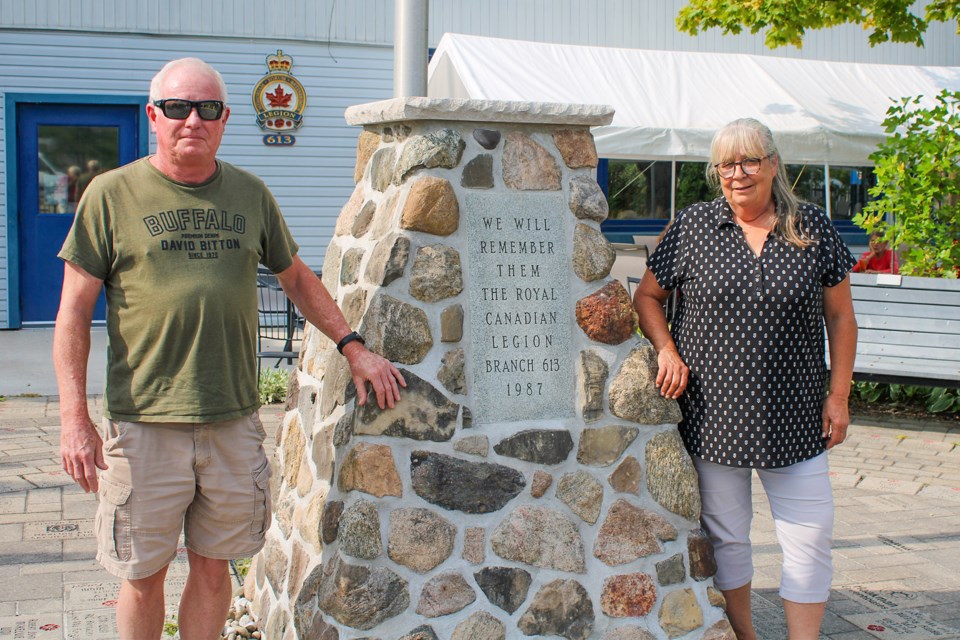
pixel 896 552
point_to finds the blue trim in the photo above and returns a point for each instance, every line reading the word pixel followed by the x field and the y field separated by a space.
pixel 13 197
pixel 622 230
pixel 853 236
pixel 11 100
pixel 603 176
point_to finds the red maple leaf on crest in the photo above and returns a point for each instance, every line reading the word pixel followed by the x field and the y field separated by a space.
pixel 279 98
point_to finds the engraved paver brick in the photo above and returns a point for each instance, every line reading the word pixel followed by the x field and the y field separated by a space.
pixel 16 483
pixel 58 530
pixel 905 624
pixel 915 444
pixel 67 568
pixel 29 625
pixel 15 503
pixel 31 551
pixel 48 479
pixel 91 624
pixel 845 479
pixel 940 492
pixel 30 587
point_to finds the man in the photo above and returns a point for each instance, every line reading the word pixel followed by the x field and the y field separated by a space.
pixel 176 239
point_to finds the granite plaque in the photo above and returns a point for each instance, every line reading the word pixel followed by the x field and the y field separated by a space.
pixel 521 310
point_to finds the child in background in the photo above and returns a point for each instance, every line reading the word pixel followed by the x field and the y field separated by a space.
pixel 879 259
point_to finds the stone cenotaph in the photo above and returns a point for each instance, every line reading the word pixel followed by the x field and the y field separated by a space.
pixel 531 482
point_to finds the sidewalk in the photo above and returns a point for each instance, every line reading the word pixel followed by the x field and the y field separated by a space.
pixel 896 551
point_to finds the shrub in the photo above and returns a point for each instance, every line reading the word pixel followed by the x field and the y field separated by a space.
pixel 273 385
pixel 917 205
pixel 933 399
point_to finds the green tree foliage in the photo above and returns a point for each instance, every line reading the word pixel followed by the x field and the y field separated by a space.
pixel 692 186
pixel 787 21
pixel 917 205
pixel 629 199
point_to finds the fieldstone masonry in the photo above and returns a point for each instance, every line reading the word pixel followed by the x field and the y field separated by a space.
pixel 531 482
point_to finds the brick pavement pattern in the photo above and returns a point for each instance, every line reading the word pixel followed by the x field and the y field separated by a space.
pixel 896 548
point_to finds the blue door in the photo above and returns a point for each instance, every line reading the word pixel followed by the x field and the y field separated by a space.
pixel 60 148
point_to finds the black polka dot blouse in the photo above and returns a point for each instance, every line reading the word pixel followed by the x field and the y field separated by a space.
pixel 751 330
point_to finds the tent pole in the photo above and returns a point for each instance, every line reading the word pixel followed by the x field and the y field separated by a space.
pixel 673 190
pixel 410 48
pixel 826 192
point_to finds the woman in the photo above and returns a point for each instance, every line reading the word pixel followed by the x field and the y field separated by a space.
pixel 758 273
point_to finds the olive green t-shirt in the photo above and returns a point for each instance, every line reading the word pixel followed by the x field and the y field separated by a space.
pixel 179 264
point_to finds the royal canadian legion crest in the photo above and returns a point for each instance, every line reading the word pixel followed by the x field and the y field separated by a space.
pixel 279 99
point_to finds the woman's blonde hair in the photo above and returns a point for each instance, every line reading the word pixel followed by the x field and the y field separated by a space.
pixel 749 138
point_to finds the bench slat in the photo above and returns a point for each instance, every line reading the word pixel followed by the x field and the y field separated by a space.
pixel 933 374
pixel 906 310
pixel 906 367
pixel 944 341
pixel 916 325
pixel 907 296
pixel 941 369
pixel 906 282
pixel 926 354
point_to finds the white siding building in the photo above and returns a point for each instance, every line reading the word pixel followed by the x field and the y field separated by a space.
pixel 103 52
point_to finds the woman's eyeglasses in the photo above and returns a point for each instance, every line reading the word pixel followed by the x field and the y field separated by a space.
pixel 750 166
pixel 179 109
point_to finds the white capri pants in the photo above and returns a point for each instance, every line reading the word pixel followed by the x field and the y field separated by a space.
pixel 801 501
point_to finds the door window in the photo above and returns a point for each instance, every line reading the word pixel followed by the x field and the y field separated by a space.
pixel 68 158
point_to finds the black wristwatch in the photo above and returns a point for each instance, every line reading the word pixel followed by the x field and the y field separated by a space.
pixel 347 339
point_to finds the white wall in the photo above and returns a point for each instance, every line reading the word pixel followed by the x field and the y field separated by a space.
pixel 642 24
pixel 312 180
pixel 369 21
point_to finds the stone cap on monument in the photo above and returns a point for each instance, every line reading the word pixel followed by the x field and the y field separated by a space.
pixel 458 109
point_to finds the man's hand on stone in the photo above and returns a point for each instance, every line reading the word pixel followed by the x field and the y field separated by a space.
pixel 366 366
pixel 81 453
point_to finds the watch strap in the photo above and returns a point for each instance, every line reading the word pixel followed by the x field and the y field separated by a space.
pixel 347 339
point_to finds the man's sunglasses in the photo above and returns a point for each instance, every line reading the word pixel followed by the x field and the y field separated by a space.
pixel 179 109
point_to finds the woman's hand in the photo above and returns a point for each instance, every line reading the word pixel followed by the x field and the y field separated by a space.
pixel 673 373
pixel 842 334
pixel 836 419
pixel 648 300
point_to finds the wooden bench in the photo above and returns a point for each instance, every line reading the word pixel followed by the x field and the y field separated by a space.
pixel 909 330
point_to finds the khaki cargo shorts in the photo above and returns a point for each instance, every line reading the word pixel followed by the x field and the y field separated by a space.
pixel 209 480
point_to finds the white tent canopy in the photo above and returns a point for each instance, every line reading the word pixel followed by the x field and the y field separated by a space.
pixel 669 103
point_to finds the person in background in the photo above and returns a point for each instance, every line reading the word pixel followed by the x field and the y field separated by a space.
pixel 94 168
pixel 878 259
pixel 73 187
pixel 176 239
pixel 759 273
